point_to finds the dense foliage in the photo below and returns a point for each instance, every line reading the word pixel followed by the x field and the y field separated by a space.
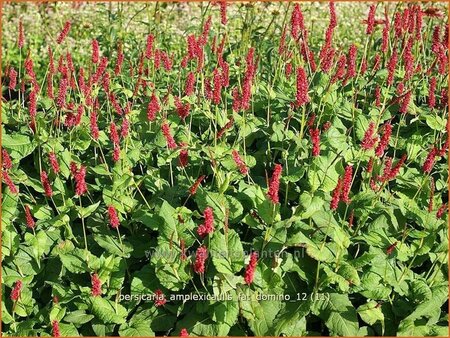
pixel 250 154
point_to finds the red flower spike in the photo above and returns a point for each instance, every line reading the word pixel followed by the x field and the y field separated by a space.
pixel 237 100
pixel 392 63
pixel 194 187
pixel 171 144
pixel 429 161
pixel 29 218
pixel 326 126
pixel 377 96
pixel 63 33
pixel 302 88
pixel 315 139
pixel 369 139
pixel 217 80
pixel 370 165
pixel 93 125
pixel 183 109
pixel 149 46
pixel 376 63
pixel 336 195
pixel 113 217
pixel 95 51
pixel 46 184
pixel 116 153
pixel 371 20
pixel 200 258
pixel 297 22
pixel 431 93
pixel 223 20
pixel 96 289
pixel 384 141
pixel 6 160
pixel 327 61
pixel 153 108
pixel 16 291
pixel 347 184
pixel 100 70
pixel 340 68
pixel 119 61
pixel 274 184
pixel 80 183
pixel 12 79
pixel 54 162
pixel 21 37
pixel 408 59
pixel 160 299
pixel 125 128
pixel 183 159
pixel 113 134
pixel 208 226
pixel 395 170
pixel 239 162
pixel 391 248
pixel 32 102
pixel 55 329
pixel 190 82
pixel 442 209
pixel 250 269
pixel 436 40
pixel 351 62
pixel 62 92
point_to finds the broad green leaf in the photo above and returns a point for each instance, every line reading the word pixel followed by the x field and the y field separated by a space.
pixel 18 145
pixel 339 314
pixel 371 312
pixel 108 311
pixel 227 252
pixel 78 317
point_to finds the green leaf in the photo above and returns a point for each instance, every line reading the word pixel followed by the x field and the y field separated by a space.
pixel 113 245
pixel 339 314
pixel 84 212
pixel 18 145
pixel 73 259
pixel 225 312
pixel 9 206
pixel 371 312
pixel 57 313
pixel 227 252
pixel 168 229
pixel 136 329
pixel 214 200
pixel 108 311
pixel 78 317
pixel 291 320
pixel 323 174
pixel 68 330
pixel 260 315
pixel 424 309
pixel 328 224
pixel 435 122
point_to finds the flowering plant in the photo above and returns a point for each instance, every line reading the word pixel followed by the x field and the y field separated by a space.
pixel 239 159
